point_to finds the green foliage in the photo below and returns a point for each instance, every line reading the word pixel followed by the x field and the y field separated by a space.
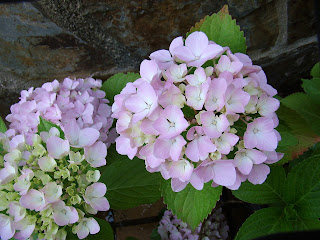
pixel 106 231
pixel 3 127
pixel 306 107
pixel 312 88
pixel 224 31
pixel 129 184
pixel 302 188
pixel 45 126
pixel 190 205
pixel 116 83
pixel 315 71
pixel 155 235
pixel 273 220
pixel 298 193
pixel 270 192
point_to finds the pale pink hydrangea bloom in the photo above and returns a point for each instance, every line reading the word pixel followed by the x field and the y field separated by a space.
pixel 50 183
pixel 78 103
pixel 187 120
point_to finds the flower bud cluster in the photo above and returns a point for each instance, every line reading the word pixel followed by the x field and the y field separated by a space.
pixel 79 100
pixel 172 228
pixel 185 114
pixel 50 187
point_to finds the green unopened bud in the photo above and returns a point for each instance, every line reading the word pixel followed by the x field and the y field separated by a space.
pixel 1 161
pixel 47 164
pixel 182 87
pixel 76 199
pixel 233 130
pixel 82 181
pixel 41 236
pixel 8 187
pixel 93 176
pixel 241 145
pixel 215 155
pixel 71 190
pixel 46 213
pixel 61 234
pixel 75 157
pixel 57 174
pixel 12 196
pixel 31 220
pixel 208 71
pixel 3 201
pixel 65 173
pixel 73 167
pixel 39 151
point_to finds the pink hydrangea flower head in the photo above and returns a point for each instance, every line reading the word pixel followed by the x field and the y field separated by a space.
pixel 198 123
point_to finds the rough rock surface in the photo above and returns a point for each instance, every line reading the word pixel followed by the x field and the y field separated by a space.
pixel 52 39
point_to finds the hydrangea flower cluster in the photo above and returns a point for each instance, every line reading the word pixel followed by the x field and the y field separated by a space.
pixel 51 185
pixel 172 228
pixel 185 114
pixel 79 100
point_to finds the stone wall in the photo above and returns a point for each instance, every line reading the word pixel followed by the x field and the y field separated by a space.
pixel 52 39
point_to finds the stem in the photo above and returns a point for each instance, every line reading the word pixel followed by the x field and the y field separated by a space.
pixel 243 120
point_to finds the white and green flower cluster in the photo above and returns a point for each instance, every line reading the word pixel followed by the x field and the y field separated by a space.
pixel 48 189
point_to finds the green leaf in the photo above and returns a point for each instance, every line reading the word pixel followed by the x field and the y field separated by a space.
pixel 288 139
pixel 129 184
pixel 315 71
pixel 114 156
pixel 312 88
pixel 224 31
pixel 116 83
pixel 300 129
pixel 302 187
pixel 3 127
pixel 270 192
pixel 45 126
pixel 306 107
pixel 273 220
pixel 106 231
pixel 190 205
pixel 155 235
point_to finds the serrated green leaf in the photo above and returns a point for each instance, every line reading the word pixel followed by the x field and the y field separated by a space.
pixel 306 107
pixel 224 31
pixel 270 192
pixel 272 220
pixel 315 71
pixel 300 129
pixel 302 187
pixel 45 126
pixel 190 205
pixel 116 83
pixel 129 184
pixel 105 232
pixel 3 127
pixel 312 88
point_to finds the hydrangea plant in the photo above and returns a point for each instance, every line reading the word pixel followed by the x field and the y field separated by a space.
pixel 183 117
pixel 51 184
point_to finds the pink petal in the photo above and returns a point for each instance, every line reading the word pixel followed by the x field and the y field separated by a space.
pixel 93 226
pixel 96 154
pixel 57 148
pixel 123 147
pixel 197 42
pixel 87 137
pixel 259 174
pixel 178 185
pixel 224 173
pixel 161 148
